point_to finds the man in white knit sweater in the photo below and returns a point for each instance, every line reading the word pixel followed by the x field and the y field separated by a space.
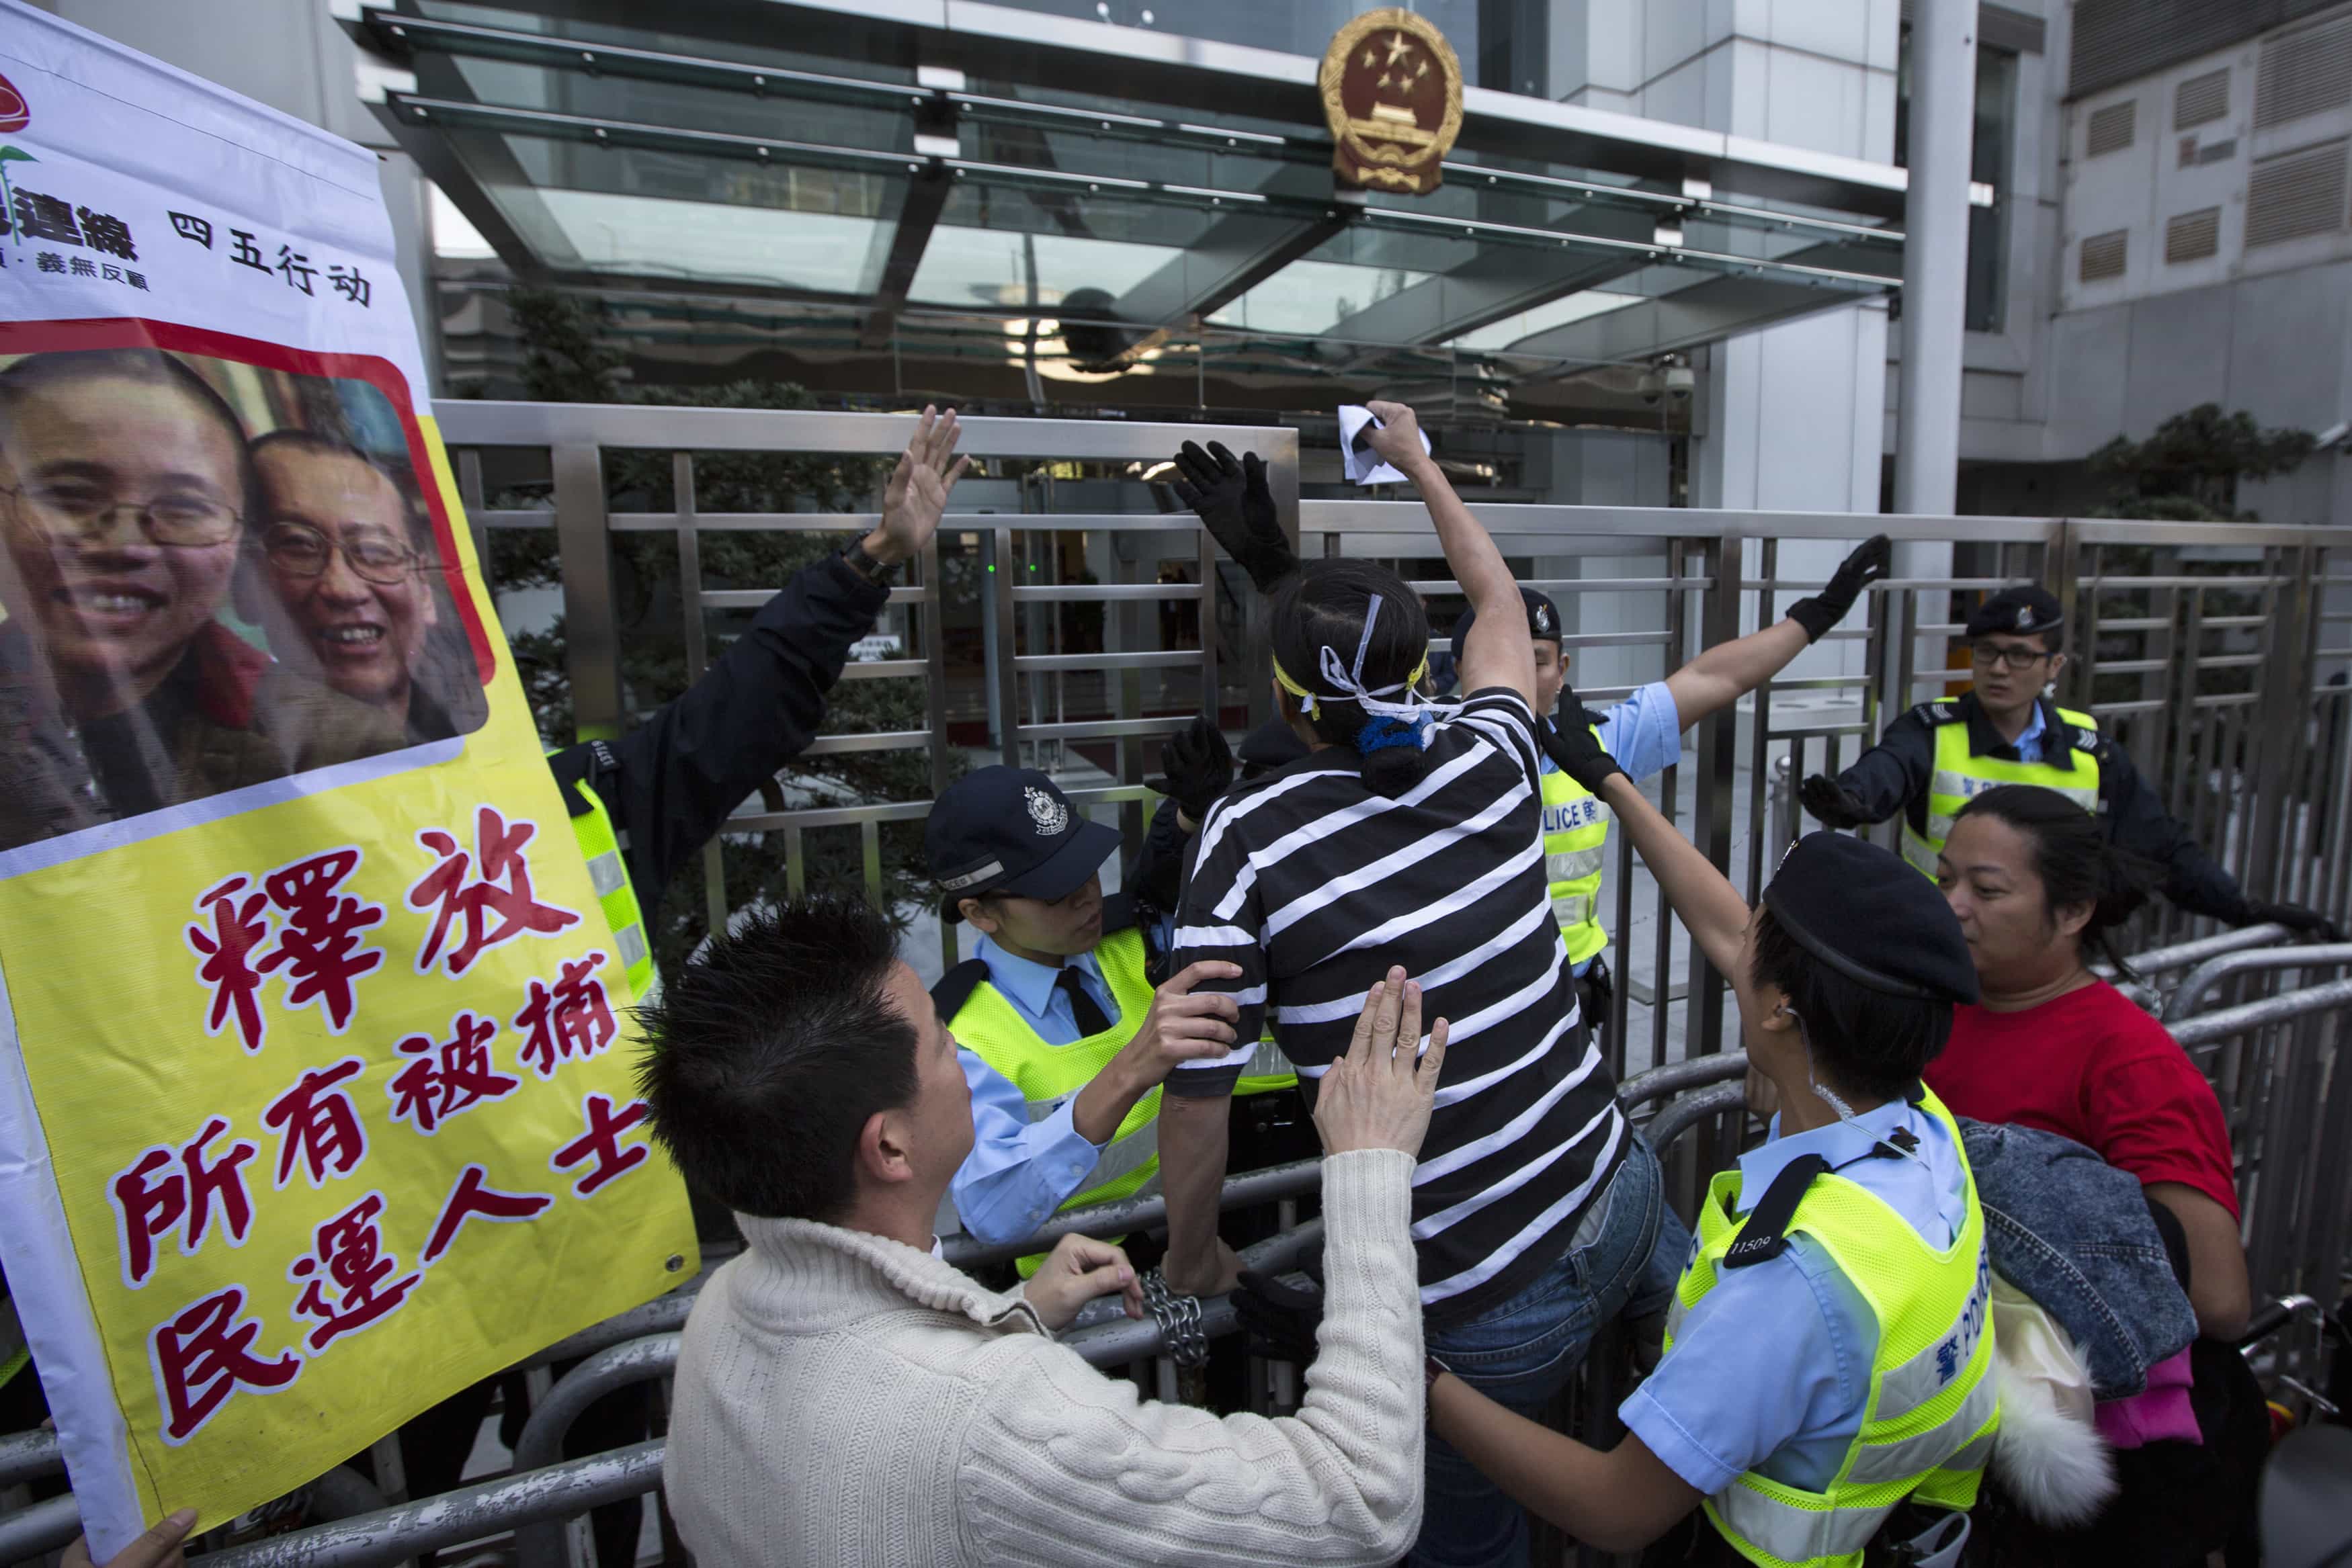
pixel 846 1398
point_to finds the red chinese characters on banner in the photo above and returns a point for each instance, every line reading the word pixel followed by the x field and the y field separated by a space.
pixel 318 945
pixel 602 1144
pixel 317 1125
pixel 225 952
pixel 455 1075
pixel 203 1355
pixel 571 1016
pixel 348 1257
pixel 495 906
pixel 166 1190
pixel 472 1199
pixel 320 954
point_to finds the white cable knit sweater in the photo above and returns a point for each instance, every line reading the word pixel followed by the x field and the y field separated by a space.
pixel 845 1399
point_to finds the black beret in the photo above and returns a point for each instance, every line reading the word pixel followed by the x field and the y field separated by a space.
pixel 1543 621
pixel 1867 915
pixel 2028 608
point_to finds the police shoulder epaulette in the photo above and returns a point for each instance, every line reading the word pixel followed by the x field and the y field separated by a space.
pixel 1940 711
pixel 1119 913
pixel 956 986
pixel 1766 1234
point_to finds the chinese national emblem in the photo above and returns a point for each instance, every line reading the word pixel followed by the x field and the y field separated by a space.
pixel 1050 815
pixel 1392 91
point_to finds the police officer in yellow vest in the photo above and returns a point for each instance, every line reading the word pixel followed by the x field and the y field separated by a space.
pixel 1825 1398
pixel 2004 730
pixel 1063 1038
pixel 1643 733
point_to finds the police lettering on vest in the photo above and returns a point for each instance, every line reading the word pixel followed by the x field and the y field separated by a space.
pixel 1959 775
pixel 1575 837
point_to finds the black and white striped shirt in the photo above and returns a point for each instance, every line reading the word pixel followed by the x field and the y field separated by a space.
pixel 1315 885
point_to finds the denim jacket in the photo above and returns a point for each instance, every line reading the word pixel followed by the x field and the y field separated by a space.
pixel 2075 1234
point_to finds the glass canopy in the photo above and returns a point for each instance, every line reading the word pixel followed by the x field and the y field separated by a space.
pixel 1176 218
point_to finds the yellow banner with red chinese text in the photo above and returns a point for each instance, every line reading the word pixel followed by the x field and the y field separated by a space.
pixel 317 1089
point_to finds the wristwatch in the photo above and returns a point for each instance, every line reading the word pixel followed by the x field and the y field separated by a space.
pixel 854 556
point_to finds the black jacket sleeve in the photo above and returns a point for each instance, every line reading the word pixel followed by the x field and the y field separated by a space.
pixel 672 780
pixel 2138 821
pixel 1157 874
pixel 1895 772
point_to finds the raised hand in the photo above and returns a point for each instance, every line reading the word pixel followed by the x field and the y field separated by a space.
pixel 1378 1096
pixel 1397 437
pixel 1232 500
pixel 917 495
pixel 1574 749
pixel 1820 612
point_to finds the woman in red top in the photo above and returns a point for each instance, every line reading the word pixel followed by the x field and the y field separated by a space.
pixel 2035 883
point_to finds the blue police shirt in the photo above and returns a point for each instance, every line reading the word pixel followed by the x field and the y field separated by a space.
pixel 1770 1372
pixel 1644 734
pixel 2028 740
pixel 1019 1172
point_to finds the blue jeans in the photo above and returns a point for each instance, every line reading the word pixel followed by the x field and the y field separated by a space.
pixel 1627 1256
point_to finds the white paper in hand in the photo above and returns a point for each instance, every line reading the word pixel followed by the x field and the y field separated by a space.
pixel 1366 467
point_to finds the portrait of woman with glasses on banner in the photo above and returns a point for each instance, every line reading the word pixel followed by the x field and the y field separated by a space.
pixel 178 624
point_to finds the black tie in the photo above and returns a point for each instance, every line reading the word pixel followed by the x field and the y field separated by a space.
pixel 1083 1008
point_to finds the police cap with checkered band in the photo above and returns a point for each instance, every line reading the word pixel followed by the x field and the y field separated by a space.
pixel 1011 829
pixel 2027 611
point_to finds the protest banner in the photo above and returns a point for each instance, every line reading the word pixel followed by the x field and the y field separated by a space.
pixel 317 1098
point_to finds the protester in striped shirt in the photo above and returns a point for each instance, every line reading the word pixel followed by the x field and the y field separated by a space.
pixel 1407 838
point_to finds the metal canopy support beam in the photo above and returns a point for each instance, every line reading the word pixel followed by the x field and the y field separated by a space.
pixel 1496 284
pixel 1703 313
pixel 919 215
pixel 1935 262
pixel 1233 256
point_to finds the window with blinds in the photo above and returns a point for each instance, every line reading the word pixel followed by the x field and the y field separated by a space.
pixel 2202 99
pixel 2307 71
pixel 2295 196
pixel 2110 129
pixel 2102 257
pixel 2193 236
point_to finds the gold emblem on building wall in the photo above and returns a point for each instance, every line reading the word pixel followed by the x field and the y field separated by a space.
pixel 1392 91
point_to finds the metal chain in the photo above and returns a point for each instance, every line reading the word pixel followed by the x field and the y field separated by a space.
pixel 1179 1320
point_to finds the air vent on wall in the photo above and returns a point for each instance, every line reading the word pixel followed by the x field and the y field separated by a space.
pixel 2307 71
pixel 2102 257
pixel 2299 194
pixel 2193 236
pixel 2110 129
pixel 2202 99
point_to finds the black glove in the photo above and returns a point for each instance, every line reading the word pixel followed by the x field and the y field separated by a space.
pixel 1831 802
pixel 1574 749
pixel 1281 1315
pixel 2302 922
pixel 1198 766
pixel 1232 499
pixel 1820 612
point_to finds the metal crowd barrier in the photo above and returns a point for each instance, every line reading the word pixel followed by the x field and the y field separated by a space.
pixel 2213 972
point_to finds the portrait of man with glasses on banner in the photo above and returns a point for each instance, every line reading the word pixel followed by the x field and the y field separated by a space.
pixel 146 664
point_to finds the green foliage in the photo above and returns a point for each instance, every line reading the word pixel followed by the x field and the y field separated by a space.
pixel 2190 469
pixel 567 358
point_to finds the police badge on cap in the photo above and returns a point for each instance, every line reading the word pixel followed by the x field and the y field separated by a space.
pixel 1050 815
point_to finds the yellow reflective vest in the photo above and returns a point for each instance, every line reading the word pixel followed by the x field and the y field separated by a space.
pixel 1575 835
pixel 988 1024
pixel 599 844
pixel 1960 774
pixel 1933 1408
